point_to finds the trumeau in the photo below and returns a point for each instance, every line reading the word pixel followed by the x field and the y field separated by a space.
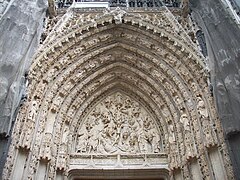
pixel 119 89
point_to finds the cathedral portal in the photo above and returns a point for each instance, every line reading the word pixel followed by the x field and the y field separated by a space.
pixel 118 91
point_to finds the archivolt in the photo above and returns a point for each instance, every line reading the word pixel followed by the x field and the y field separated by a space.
pixel 150 62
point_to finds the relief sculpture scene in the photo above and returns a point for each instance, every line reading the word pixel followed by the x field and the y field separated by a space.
pixel 118 125
pixel 115 90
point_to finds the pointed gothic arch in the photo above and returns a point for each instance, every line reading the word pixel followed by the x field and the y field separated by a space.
pixel 146 56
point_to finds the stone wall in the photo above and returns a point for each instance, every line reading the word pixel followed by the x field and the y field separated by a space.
pixel 222 38
pixel 20 29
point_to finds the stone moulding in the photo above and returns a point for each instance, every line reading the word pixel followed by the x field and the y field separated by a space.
pixel 122 161
pixel 145 56
pixel 119 173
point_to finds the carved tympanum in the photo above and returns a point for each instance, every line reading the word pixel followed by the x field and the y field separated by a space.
pixel 118 124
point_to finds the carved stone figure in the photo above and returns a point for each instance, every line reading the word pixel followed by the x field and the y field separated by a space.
pixel 65 134
pixel 118 124
pixel 32 110
pixel 153 63
pixel 172 138
pixel 26 136
pixel 184 120
pixel 82 142
pixel 46 149
pixel 118 15
pixel 61 162
pixel 202 110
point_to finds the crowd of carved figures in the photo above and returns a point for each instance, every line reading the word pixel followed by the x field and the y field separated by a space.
pixel 118 125
pixel 76 66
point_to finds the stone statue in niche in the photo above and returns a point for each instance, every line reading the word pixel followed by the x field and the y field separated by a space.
pixel 118 125
pixel 171 138
pixel 26 137
pixel 50 74
pixel 46 151
pixel 209 134
pixel 185 122
pixel 32 110
pixel 202 110
pixel 65 134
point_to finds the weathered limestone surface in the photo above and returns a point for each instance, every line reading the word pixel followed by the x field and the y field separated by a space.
pixel 3 6
pixel 118 125
pixel 148 58
pixel 92 55
pixel 20 29
pixel 222 37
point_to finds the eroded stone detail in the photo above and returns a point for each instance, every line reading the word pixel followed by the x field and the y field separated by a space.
pixel 159 77
pixel 118 125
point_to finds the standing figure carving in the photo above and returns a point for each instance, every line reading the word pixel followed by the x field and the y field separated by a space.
pixel 185 122
pixel 118 124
